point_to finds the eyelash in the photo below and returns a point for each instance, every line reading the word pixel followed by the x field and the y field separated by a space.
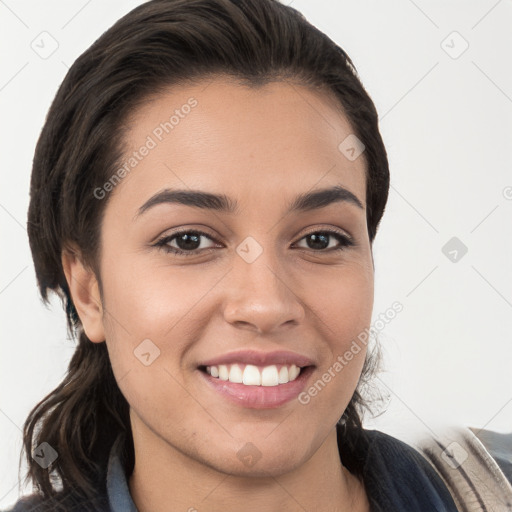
pixel 345 242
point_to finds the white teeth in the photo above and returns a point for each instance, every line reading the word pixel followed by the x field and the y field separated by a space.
pixel 235 374
pixel 293 372
pixel 223 372
pixel 269 376
pixel 252 375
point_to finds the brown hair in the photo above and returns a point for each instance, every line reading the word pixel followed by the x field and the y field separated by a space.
pixel 158 44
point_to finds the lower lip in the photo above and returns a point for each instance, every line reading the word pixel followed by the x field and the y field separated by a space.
pixel 259 397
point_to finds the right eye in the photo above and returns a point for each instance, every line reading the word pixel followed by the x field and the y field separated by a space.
pixel 188 241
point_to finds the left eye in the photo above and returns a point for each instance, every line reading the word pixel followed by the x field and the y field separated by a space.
pixel 318 239
pixel 189 242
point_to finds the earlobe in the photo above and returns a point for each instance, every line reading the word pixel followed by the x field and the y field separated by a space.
pixel 85 294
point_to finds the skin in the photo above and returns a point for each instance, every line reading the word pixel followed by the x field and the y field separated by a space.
pixel 263 147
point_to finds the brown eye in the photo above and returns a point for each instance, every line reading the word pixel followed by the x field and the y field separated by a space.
pixel 188 242
pixel 320 240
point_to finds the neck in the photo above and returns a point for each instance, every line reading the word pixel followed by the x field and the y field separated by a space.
pixel 164 477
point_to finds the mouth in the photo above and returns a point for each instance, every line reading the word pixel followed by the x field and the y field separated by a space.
pixel 256 387
pixel 252 375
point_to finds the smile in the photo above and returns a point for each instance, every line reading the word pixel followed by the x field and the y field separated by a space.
pixel 251 375
pixel 260 390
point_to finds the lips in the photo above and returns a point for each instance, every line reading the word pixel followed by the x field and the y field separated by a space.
pixel 256 358
pixel 254 396
pixel 254 379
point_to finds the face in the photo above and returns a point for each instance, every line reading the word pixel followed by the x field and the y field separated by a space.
pixel 259 284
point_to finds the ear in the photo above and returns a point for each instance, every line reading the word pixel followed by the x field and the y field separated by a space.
pixel 85 294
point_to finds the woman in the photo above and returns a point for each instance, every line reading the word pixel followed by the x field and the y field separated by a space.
pixel 204 198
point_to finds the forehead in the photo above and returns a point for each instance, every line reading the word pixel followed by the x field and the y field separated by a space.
pixel 251 143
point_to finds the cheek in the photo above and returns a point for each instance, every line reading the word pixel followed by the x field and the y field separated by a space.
pixel 342 300
pixel 343 305
pixel 147 299
pixel 160 303
pixel 145 339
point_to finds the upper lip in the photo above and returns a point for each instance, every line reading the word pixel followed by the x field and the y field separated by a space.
pixel 260 358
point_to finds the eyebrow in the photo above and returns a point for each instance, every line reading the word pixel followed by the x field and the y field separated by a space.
pixel 222 203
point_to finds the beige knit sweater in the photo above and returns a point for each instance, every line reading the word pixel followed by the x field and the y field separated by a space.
pixel 469 467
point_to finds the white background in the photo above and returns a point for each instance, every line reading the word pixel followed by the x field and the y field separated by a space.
pixel 447 126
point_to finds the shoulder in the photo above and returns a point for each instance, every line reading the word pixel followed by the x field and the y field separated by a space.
pixel 395 475
pixel 499 447
pixel 474 471
pixel 394 467
pixel 26 504
pixel 386 451
pixel 60 502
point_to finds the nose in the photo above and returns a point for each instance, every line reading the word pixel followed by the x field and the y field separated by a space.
pixel 263 296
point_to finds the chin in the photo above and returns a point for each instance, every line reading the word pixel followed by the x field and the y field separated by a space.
pixel 267 465
pixel 259 458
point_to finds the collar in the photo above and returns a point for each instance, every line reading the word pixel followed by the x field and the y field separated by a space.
pixel 118 493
